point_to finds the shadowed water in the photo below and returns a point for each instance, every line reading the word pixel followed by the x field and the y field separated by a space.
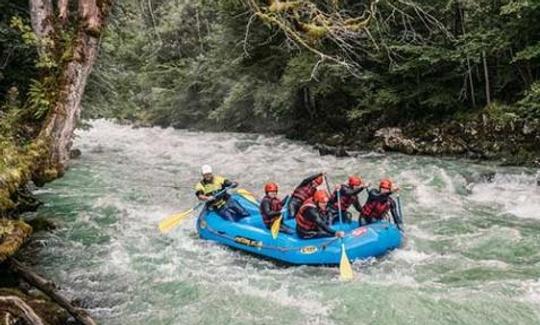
pixel 472 254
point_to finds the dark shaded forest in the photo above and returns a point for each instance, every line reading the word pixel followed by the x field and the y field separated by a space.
pixel 431 68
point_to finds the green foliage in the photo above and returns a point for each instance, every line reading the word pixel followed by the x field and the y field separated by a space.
pixel 529 105
pixel 195 64
pixel 40 97
pixel 16 56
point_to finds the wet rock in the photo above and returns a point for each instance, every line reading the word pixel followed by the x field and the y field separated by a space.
pixel 41 224
pixel 338 151
pixel 393 139
pixel 74 154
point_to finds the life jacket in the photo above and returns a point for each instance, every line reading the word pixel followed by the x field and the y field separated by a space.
pixel 302 221
pixel 275 205
pixel 304 192
pixel 346 201
pixel 211 188
pixel 376 208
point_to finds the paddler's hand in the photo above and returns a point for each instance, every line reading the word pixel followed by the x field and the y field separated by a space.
pixel 340 234
pixel 210 198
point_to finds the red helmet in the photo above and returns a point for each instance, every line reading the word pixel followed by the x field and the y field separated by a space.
pixel 318 180
pixel 355 181
pixel 270 187
pixel 320 197
pixel 386 184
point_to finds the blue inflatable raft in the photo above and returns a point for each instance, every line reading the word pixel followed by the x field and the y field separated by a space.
pixel 251 235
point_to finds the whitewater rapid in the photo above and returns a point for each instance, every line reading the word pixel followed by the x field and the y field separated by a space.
pixel 472 253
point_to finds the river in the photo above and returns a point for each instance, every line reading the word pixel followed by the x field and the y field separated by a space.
pixel 472 254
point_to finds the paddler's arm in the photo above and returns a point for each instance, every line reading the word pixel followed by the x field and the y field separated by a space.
pixel 320 221
pixel 310 179
pixel 229 184
pixel 199 193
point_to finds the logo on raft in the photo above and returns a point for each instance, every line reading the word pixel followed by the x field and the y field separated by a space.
pixel 202 224
pixel 308 250
pixel 359 232
pixel 248 242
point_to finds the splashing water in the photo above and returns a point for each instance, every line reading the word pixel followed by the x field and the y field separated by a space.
pixel 472 254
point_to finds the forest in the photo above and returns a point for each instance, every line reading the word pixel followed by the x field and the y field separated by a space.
pixel 431 68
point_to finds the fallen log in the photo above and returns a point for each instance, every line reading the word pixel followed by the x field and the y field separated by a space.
pixel 14 307
pixel 51 290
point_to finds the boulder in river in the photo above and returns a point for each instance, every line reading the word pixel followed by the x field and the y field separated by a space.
pixel 393 139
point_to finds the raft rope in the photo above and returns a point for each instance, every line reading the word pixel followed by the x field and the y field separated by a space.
pixel 221 234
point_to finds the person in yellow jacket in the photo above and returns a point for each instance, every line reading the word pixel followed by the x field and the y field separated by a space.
pixel 212 189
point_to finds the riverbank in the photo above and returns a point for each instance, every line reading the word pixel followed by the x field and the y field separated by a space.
pixel 485 135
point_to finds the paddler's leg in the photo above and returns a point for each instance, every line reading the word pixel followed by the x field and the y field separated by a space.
pixel 237 209
pixel 226 213
pixel 285 229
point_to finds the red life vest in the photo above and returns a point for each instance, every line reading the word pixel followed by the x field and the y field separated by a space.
pixel 375 209
pixel 301 220
pixel 346 201
pixel 275 205
pixel 304 192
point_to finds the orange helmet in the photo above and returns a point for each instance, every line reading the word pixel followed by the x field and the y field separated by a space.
pixel 320 197
pixel 318 180
pixel 355 181
pixel 386 184
pixel 270 187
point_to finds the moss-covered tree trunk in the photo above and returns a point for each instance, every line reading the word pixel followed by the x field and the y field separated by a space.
pixel 82 52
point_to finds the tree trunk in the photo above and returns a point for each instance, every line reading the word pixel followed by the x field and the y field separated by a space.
pixel 63 11
pixel 486 77
pixel 62 119
pixel 461 14
pixel 41 12
pixel 51 290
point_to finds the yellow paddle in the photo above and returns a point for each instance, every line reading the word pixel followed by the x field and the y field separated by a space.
pixel 247 195
pixel 345 268
pixel 174 220
pixel 275 227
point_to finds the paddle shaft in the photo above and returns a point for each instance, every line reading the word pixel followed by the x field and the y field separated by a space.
pixel 339 205
pixel 399 208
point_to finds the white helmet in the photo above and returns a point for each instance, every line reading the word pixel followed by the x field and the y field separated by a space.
pixel 206 169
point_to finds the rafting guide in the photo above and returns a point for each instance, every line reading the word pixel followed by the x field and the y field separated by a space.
pixel 213 190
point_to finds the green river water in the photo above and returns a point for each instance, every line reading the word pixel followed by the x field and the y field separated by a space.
pixel 472 254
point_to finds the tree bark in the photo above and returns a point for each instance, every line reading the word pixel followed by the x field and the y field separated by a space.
pixel 91 15
pixel 41 12
pixel 51 290
pixel 461 13
pixel 486 77
pixel 61 120
pixel 63 11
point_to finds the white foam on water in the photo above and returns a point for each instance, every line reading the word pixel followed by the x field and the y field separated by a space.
pixel 512 194
pixel 137 256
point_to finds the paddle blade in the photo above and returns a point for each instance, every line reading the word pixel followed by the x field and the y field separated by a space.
pixel 172 221
pixel 247 195
pixel 345 268
pixel 275 227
